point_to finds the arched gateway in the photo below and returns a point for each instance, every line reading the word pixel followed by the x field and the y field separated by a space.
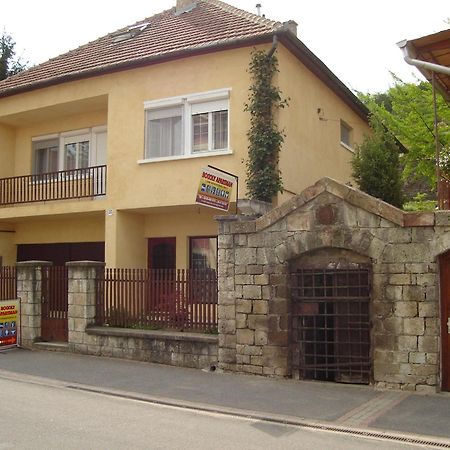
pixel 336 285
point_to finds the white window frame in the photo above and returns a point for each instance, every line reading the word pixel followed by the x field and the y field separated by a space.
pixel 343 124
pixel 209 101
pixel 85 134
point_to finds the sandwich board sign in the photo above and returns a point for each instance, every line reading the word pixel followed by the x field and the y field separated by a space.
pixel 9 324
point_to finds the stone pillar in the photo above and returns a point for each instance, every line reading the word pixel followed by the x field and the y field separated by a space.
pixel 226 296
pixel 29 291
pixel 82 300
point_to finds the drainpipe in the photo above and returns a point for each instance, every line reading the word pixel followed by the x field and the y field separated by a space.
pixel 274 46
pixel 403 45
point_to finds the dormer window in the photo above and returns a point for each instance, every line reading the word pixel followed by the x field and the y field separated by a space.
pixel 130 32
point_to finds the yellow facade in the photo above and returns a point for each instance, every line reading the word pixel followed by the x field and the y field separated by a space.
pixel 157 199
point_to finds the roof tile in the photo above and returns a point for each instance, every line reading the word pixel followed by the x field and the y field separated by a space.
pixel 211 23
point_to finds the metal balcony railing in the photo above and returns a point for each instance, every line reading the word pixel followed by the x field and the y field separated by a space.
pixel 62 185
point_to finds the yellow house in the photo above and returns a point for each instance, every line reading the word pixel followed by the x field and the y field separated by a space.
pixel 102 148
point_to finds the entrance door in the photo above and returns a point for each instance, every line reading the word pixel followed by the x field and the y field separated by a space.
pixel 162 253
pixel 54 306
pixel 444 263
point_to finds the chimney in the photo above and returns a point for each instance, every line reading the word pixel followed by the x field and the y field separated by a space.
pixel 184 6
pixel 291 25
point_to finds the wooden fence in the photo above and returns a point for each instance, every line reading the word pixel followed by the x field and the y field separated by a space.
pixel 8 283
pixel 183 299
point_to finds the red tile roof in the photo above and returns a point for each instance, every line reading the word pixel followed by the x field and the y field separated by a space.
pixel 210 26
pixel 212 23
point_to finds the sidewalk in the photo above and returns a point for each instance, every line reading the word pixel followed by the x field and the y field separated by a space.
pixel 338 405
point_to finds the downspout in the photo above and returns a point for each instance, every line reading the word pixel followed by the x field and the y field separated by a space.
pixel 433 68
pixel 274 46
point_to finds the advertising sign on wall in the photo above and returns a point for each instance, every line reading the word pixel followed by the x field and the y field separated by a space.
pixel 9 323
pixel 215 189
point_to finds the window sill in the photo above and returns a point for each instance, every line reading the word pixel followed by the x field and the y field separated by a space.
pixel 347 147
pixel 180 157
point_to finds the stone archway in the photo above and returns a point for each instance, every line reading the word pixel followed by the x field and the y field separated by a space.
pixel 330 305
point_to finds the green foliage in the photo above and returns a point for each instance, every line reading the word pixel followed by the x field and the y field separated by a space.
pixel 420 203
pixel 376 165
pixel 265 140
pixel 9 65
pixel 406 109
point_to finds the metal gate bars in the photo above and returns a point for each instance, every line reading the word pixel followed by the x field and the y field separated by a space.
pixel 331 325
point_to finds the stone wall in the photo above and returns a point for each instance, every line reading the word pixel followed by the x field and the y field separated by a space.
pixel 255 256
pixel 172 348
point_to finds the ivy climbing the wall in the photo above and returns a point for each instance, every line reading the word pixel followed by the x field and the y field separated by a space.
pixel 265 139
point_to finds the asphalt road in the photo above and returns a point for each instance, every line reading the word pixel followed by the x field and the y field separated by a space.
pixel 39 416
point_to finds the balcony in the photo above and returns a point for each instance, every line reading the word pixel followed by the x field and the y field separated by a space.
pixel 64 185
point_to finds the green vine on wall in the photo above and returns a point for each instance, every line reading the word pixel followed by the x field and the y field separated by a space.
pixel 265 139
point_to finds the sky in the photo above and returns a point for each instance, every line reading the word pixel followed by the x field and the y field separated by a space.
pixel 356 39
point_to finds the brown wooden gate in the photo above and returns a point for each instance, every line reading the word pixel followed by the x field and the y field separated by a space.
pixel 54 304
pixel 444 263
pixel 331 325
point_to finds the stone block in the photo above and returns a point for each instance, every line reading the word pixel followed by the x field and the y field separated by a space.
pixel 278 306
pixel 262 279
pixel 225 241
pixel 428 344
pixel 384 341
pixel 245 256
pixel 432 358
pixel 226 312
pixel 417 358
pixel 428 309
pixel 394 293
pixel 432 327
pixel 400 279
pixel 256 360
pixel 280 338
pixel 240 240
pixel 241 320
pixel 244 279
pixel 407 343
pixel 405 309
pixel 226 356
pixel 243 359
pixel 300 221
pixel 257 240
pixel 393 325
pixel 257 370
pixel 252 292
pixel 414 326
pixel 260 307
pixel 254 269
pixel 244 306
pixel 413 293
pixel 227 326
pixel 419 219
pixel 275 356
pixel 245 336
pixel 257 322
pixel 250 350
pixel 424 389
pixel 261 337
pixel 425 279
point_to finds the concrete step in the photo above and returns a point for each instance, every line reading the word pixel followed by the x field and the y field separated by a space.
pixel 51 346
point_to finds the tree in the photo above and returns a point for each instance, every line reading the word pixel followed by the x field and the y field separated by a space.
pixel 9 64
pixel 265 139
pixel 406 109
pixel 376 165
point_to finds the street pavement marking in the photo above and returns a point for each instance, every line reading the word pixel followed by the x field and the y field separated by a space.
pixel 368 412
